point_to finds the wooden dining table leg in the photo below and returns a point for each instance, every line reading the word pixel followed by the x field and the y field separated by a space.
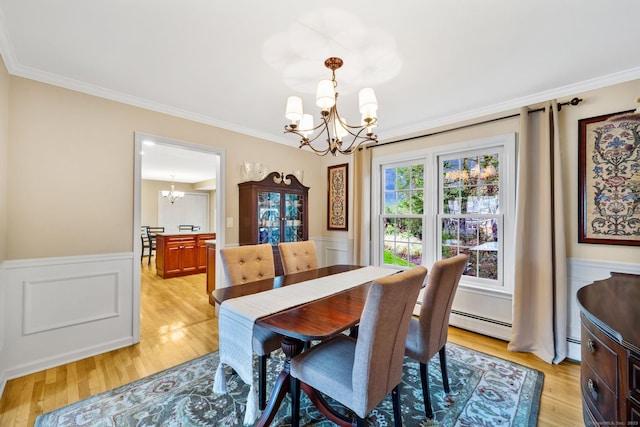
pixel 291 347
pixel 325 409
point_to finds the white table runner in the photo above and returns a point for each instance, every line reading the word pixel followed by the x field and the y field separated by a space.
pixel 237 317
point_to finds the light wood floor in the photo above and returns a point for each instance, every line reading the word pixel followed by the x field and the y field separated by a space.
pixel 178 324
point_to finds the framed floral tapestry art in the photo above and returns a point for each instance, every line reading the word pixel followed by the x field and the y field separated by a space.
pixel 609 179
pixel 338 197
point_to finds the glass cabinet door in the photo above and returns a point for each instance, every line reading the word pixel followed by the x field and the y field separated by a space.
pixel 269 216
pixel 293 220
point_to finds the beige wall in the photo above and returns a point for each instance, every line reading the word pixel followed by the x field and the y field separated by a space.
pixel 597 102
pixel 71 166
pixel 4 153
pixel 70 160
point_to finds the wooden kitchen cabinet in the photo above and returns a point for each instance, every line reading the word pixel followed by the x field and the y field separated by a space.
pixel 201 240
pixel 273 210
pixel 610 341
pixel 181 254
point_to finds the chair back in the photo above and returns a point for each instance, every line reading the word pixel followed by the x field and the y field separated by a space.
pixel 144 237
pixel 298 256
pixel 384 323
pixel 151 233
pixel 436 303
pixel 249 263
pixel 184 227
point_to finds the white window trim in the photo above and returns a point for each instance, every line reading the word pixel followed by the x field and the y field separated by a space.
pixel 430 158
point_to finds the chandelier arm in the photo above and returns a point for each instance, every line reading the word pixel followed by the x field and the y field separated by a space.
pixel 359 139
pixel 373 122
pixel 307 143
pixel 348 127
pixel 306 140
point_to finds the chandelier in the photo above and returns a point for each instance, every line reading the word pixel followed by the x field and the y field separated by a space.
pixel 333 127
pixel 172 195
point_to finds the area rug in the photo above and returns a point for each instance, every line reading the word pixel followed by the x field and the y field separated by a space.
pixel 485 391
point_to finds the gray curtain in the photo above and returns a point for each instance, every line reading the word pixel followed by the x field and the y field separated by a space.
pixel 361 206
pixel 540 291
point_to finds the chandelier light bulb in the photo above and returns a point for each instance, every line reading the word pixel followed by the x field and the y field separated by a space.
pixel 306 125
pixel 325 94
pixel 294 109
pixel 340 129
pixel 368 102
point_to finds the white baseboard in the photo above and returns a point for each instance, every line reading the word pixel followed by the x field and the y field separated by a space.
pixel 3 382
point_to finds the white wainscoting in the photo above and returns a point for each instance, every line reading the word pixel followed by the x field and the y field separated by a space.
pixel 333 251
pixel 57 310
pixel 583 272
pixel 482 312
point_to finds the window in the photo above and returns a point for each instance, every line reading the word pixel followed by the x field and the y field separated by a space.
pixel 469 214
pixel 403 214
pixel 437 203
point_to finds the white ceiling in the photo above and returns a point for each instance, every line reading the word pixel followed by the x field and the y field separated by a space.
pixel 164 162
pixel 233 64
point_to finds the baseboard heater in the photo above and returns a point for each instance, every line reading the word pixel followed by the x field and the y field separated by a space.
pixel 574 340
pixel 483 319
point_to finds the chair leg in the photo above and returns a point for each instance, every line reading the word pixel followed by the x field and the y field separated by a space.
pixel 262 381
pixel 295 402
pixel 443 368
pixel 424 379
pixel 395 397
pixel 358 422
pixel 353 332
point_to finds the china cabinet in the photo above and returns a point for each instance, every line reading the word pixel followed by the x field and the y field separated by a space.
pixel 273 210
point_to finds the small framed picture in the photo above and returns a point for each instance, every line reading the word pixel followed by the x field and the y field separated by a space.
pixel 337 217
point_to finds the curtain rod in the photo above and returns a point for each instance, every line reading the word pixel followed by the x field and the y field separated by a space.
pixel 574 101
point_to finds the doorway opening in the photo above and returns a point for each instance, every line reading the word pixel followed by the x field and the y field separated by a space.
pixel 176 152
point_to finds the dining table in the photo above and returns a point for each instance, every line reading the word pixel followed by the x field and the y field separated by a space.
pixel 319 319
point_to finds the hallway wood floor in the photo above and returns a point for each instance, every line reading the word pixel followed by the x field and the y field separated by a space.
pixel 178 324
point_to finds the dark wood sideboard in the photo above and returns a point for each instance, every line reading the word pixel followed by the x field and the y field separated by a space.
pixel 181 254
pixel 610 367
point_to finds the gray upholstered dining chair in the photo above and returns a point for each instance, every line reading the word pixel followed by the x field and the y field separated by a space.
pixel 298 256
pixel 428 333
pixel 360 373
pixel 245 264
